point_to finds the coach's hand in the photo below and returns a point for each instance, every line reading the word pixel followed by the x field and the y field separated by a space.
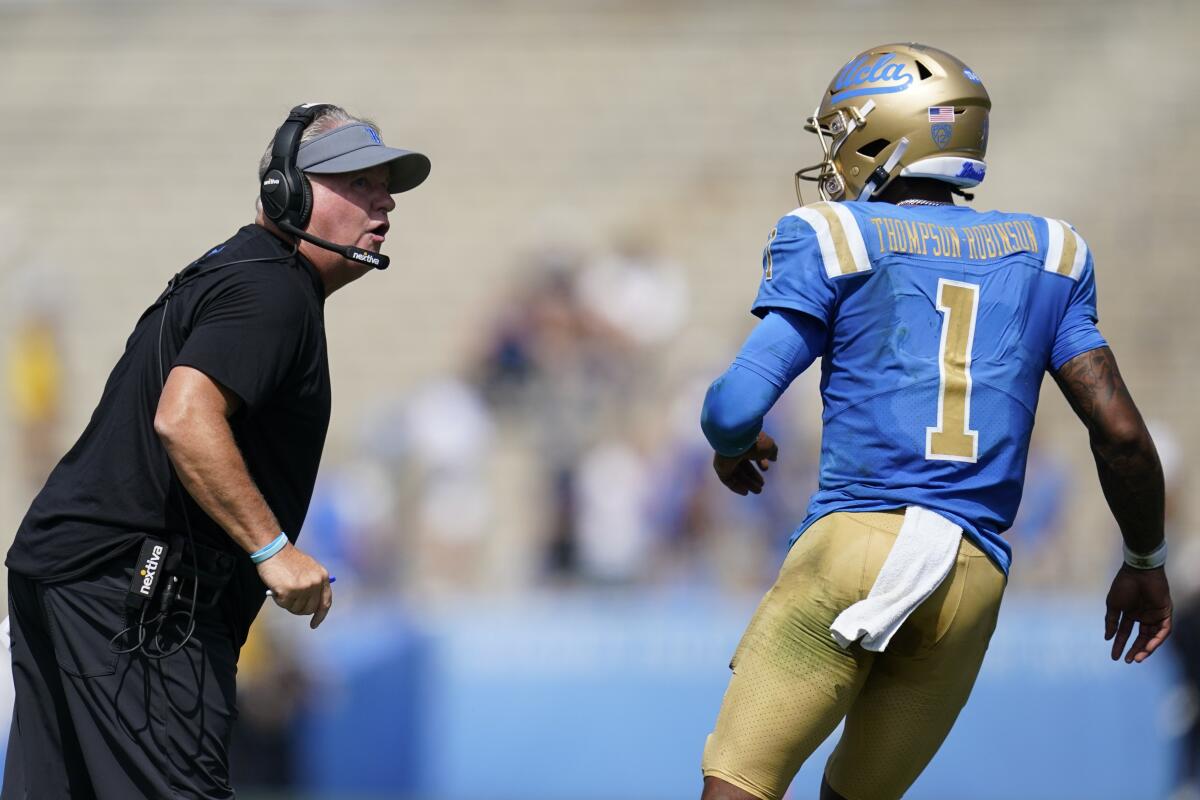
pixel 739 473
pixel 1141 596
pixel 298 583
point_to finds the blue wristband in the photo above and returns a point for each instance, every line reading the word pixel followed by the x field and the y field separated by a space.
pixel 269 550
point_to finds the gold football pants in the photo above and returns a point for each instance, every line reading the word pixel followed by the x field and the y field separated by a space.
pixel 792 684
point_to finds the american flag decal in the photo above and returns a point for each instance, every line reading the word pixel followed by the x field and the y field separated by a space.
pixel 941 114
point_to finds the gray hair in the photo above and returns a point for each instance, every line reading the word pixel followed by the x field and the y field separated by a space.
pixel 330 117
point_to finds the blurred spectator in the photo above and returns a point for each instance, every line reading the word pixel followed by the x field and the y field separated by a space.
pixel 637 292
pixel 544 336
pixel 7 691
pixel 1047 482
pixel 1183 566
pixel 351 526
pixel 613 500
pixel 35 373
pixel 1186 644
pixel 686 510
pixel 450 438
pixel 556 367
pixel 1040 527
pixel 272 691
pixel 716 539
pixel 415 508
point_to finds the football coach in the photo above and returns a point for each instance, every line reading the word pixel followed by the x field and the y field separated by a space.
pixel 137 571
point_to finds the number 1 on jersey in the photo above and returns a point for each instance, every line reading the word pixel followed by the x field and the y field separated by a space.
pixel 952 439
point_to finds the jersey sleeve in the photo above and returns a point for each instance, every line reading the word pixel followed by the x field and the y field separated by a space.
pixel 1077 331
pixel 808 252
pixel 779 348
pixel 782 346
pixel 247 336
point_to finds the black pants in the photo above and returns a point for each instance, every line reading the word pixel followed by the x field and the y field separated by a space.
pixel 89 723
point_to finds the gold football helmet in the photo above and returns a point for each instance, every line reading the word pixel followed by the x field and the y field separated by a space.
pixel 899 110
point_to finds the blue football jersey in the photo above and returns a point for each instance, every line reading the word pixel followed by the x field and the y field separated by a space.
pixel 941 323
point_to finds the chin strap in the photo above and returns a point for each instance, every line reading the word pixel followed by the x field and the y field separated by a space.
pixel 881 174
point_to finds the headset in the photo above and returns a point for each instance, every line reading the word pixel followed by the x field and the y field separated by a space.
pixel 286 193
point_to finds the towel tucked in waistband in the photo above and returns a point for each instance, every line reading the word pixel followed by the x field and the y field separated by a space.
pixel 920 559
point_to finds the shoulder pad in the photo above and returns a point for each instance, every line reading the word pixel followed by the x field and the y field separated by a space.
pixel 1066 252
pixel 843 251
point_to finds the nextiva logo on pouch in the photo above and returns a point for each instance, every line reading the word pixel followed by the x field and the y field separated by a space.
pixel 147 570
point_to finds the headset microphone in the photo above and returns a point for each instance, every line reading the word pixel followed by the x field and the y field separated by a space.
pixel 376 260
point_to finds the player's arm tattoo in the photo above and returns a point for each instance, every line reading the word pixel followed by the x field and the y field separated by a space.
pixel 1126 459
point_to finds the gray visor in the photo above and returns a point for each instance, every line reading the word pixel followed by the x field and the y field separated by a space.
pixel 354 147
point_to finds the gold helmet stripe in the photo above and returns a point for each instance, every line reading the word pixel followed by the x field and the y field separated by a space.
pixel 1067 252
pixel 843 251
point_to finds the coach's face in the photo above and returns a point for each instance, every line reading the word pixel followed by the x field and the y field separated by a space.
pixel 352 208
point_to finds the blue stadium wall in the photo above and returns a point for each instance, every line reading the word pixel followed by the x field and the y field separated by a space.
pixel 610 697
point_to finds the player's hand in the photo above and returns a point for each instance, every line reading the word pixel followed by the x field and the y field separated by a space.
pixel 1141 596
pixel 739 473
pixel 298 583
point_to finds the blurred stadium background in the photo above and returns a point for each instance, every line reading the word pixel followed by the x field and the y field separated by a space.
pixel 539 582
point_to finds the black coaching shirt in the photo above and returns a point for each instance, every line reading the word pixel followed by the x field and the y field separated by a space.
pixel 255 328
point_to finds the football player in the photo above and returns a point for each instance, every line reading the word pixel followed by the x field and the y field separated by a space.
pixel 935 324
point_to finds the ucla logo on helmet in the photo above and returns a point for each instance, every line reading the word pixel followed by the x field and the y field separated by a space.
pixel 972 170
pixel 863 76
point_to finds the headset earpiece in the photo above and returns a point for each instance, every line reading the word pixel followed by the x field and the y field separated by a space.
pixel 275 195
pixel 306 201
pixel 285 192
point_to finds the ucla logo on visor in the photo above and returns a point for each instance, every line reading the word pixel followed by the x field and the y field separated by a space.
pixel 863 76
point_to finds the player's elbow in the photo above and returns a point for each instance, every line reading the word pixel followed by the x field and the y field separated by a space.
pixel 1121 434
pixel 730 427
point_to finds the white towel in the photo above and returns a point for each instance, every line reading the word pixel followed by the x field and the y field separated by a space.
pixel 921 558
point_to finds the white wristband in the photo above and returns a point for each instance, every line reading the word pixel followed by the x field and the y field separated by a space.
pixel 1152 560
